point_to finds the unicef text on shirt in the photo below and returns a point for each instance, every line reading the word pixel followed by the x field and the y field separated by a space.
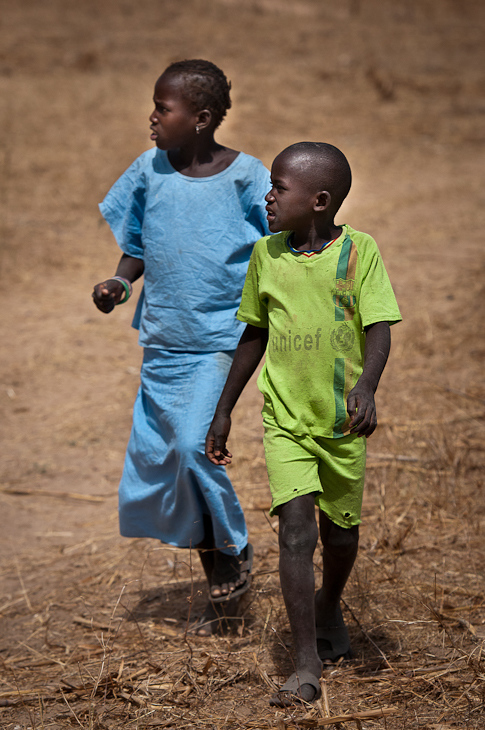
pixel 295 343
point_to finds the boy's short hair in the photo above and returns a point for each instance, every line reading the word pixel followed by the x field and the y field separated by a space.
pixel 205 86
pixel 328 168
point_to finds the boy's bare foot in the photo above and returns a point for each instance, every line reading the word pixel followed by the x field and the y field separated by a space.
pixel 301 687
pixel 333 640
pixel 231 575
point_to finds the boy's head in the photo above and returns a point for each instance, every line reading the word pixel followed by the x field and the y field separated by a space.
pixel 203 86
pixel 308 179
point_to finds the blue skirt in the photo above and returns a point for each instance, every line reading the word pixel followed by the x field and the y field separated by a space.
pixel 168 484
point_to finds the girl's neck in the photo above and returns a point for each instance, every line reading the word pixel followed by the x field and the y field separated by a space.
pixel 204 159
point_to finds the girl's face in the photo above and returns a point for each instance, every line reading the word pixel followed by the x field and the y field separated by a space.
pixel 173 120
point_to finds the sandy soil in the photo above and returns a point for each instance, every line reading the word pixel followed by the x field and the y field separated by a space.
pixel 92 625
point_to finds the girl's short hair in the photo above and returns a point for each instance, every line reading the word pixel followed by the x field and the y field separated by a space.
pixel 205 86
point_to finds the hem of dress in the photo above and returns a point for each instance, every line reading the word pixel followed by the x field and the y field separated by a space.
pixel 181 547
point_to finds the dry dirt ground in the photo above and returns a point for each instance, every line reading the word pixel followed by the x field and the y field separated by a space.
pixel 93 625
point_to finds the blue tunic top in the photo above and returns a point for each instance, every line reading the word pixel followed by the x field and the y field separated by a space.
pixel 195 236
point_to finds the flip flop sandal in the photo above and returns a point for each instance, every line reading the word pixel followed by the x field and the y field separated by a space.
pixel 245 566
pixel 333 643
pixel 288 694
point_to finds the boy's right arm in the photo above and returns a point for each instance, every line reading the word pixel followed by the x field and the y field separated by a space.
pixel 107 294
pixel 249 352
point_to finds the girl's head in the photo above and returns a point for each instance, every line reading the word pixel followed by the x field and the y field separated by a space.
pixel 204 86
pixel 191 98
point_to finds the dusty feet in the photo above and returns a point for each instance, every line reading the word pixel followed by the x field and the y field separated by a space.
pixel 303 686
pixel 333 639
pixel 231 575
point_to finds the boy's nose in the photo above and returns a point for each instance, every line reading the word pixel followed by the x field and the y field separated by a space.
pixel 269 197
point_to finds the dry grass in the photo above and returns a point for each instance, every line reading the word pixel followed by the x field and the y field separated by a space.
pixel 104 644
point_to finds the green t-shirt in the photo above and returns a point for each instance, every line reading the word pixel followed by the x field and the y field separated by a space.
pixel 315 306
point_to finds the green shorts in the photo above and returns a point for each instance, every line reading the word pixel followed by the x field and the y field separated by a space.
pixel 333 469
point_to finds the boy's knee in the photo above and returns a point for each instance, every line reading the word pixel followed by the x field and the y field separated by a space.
pixel 295 542
pixel 298 531
pixel 297 537
pixel 341 540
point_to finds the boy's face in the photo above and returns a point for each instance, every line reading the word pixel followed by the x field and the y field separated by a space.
pixel 173 120
pixel 290 200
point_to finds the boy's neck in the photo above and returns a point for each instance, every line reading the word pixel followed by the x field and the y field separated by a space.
pixel 204 159
pixel 315 239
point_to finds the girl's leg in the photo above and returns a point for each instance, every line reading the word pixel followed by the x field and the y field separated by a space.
pixel 206 549
pixel 214 617
pixel 222 571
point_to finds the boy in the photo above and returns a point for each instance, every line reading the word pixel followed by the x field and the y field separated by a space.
pixel 318 301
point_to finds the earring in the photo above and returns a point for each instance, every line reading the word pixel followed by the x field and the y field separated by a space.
pixel 197 130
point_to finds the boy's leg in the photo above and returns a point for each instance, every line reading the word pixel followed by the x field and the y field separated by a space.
pixel 340 547
pixel 298 536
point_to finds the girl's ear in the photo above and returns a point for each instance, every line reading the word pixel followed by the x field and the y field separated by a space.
pixel 322 201
pixel 204 119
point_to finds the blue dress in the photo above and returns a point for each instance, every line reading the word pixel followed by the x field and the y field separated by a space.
pixel 195 236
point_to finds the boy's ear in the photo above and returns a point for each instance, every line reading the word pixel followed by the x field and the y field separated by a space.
pixel 322 201
pixel 204 118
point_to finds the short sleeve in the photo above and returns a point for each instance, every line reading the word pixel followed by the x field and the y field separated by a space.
pixel 252 310
pixel 123 209
pixel 377 302
pixel 261 185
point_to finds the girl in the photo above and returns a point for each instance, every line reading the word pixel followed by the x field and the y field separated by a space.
pixel 186 215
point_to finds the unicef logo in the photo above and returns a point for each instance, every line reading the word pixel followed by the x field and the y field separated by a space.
pixel 342 338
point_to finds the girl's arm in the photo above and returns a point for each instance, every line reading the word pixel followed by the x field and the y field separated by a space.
pixel 249 352
pixel 361 406
pixel 107 294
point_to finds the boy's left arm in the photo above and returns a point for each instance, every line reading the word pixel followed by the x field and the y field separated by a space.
pixel 361 405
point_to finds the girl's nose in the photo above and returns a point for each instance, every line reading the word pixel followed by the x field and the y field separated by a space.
pixel 152 119
pixel 269 197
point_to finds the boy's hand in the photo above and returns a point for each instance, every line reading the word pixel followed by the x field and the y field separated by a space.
pixel 361 408
pixel 107 294
pixel 215 441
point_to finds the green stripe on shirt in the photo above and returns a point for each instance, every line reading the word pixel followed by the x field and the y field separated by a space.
pixel 342 266
pixel 338 393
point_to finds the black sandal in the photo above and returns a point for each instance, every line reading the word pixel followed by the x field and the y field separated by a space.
pixel 234 566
